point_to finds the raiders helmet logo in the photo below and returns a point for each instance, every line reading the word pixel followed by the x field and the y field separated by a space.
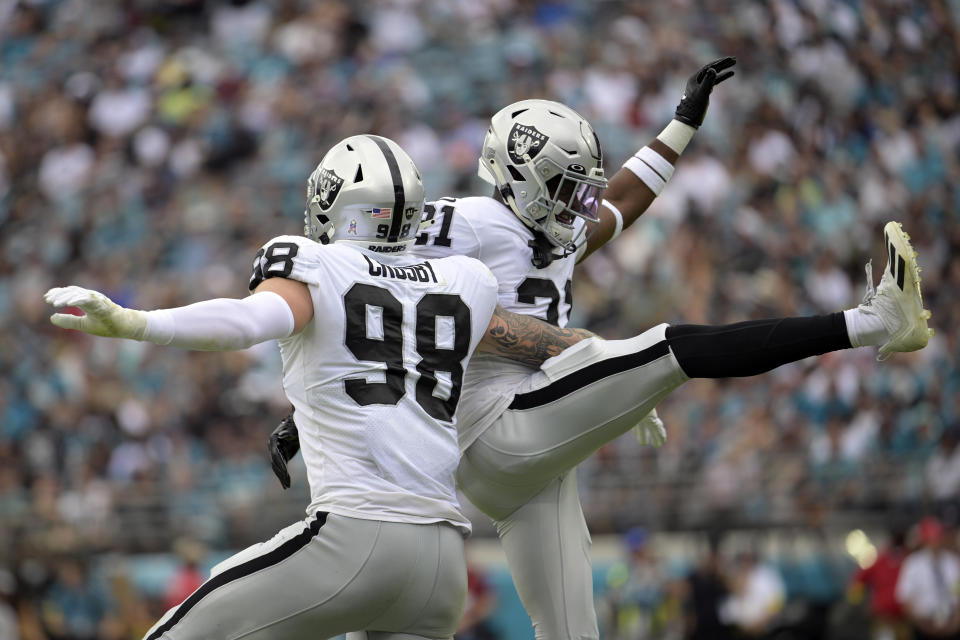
pixel 524 140
pixel 328 187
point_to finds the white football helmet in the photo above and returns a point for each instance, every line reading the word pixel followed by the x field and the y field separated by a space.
pixel 367 190
pixel 545 160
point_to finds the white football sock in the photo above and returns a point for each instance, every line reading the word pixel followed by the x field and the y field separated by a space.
pixel 865 329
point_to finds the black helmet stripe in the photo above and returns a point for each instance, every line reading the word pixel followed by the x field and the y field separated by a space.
pixel 399 198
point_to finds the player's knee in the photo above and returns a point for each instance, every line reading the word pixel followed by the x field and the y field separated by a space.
pixel 593 350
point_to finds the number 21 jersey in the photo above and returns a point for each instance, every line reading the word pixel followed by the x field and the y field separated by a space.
pixel 376 376
pixel 486 229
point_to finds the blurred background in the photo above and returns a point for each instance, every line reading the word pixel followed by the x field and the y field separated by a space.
pixel 149 147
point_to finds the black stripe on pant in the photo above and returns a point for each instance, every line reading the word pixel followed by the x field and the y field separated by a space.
pixel 253 565
pixel 588 375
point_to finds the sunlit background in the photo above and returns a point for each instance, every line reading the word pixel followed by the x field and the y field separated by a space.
pixel 149 147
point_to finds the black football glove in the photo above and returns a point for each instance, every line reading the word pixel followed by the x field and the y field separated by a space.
pixel 696 96
pixel 283 443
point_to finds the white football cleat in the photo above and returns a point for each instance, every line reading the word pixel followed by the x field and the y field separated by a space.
pixel 897 301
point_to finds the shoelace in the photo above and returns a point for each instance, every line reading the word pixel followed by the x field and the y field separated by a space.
pixel 868 296
pixel 871 291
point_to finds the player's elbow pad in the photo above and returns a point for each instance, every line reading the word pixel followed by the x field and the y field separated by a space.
pixel 222 324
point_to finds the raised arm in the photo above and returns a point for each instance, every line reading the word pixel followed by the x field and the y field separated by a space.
pixel 526 339
pixel 641 179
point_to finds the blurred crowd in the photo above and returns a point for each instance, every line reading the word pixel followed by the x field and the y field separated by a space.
pixel 149 147
pixel 746 586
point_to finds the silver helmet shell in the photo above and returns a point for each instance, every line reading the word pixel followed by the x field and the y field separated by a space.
pixel 545 160
pixel 365 190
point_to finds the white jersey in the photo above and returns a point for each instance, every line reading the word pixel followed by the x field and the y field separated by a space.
pixel 488 230
pixel 375 377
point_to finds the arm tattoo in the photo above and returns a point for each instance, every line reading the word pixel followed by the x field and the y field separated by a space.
pixel 527 339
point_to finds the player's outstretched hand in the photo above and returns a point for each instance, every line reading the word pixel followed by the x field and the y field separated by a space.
pixel 650 431
pixel 284 443
pixel 103 316
pixel 696 95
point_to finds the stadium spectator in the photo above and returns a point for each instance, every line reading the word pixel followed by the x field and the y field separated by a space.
pixel 70 608
pixel 928 587
pixel 756 599
pixel 481 603
pixel 879 581
pixel 189 575
pixel 633 605
pixel 706 591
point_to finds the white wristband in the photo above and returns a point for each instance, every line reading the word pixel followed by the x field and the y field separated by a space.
pixel 676 135
pixel 618 218
pixel 657 162
pixel 647 175
pixel 222 324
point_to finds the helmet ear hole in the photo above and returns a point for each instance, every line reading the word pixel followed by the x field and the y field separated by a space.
pixel 516 175
pixel 359 176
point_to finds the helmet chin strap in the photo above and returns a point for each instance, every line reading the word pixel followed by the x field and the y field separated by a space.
pixel 543 249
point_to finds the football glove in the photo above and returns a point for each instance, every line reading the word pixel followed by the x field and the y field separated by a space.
pixel 103 316
pixel 650 431
pixel 696 96
pixel 283 444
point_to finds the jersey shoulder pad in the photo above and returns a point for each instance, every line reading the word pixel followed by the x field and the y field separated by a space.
pixel 471 264
pixel 284 257
pixel 473 270
pixel 494 224
pixel 444 231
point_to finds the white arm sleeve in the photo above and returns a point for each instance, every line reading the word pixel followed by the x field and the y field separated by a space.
pixel 222 324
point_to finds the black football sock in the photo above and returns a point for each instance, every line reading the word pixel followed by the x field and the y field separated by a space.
pixel 756 346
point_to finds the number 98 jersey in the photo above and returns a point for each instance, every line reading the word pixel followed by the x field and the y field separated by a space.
pixel 486 229
pixel 376 376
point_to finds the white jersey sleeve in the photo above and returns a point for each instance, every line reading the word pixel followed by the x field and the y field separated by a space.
pixel 290 257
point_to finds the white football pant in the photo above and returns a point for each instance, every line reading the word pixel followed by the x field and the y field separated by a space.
pixel 520 471
pixel 328 575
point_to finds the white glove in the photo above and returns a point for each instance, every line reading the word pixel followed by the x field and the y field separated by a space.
pixel 103 316
pixel 650 431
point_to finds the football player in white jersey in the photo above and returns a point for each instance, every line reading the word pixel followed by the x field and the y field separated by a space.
pixel 374 343
pixel 522 432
